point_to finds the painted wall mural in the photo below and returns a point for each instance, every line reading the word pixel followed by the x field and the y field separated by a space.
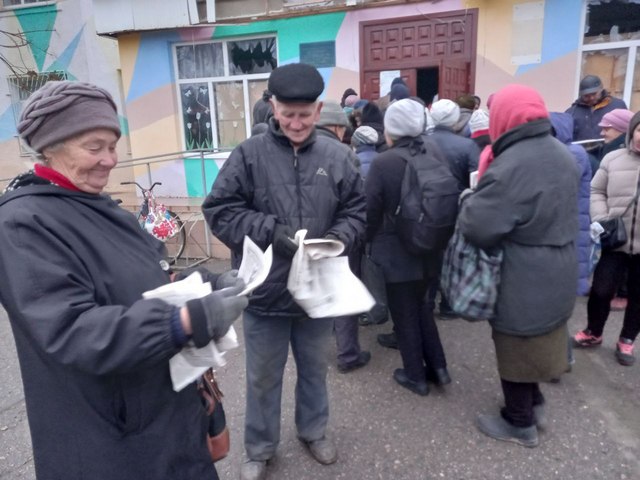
pixel 59 41
pixel 174 100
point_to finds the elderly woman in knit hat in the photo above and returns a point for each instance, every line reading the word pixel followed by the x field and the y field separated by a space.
pixel 364 142
pixel 407 275
pixel 94 353
pixel 614 127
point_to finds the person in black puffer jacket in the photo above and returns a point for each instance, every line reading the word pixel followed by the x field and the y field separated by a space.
pixel 407 276
pixel 271 186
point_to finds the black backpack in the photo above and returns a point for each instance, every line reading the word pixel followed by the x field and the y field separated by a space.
pixel 428 208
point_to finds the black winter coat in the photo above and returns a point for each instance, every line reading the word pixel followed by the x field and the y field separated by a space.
pixel 462 153
pixel 382 187
pixel 94 355
pixel 526 203
pixel 264 182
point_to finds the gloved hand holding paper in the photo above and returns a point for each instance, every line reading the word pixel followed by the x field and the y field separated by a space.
pixel 322 283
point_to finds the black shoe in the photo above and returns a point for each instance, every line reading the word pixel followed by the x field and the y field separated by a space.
pixel 447 314
pixel 360 362
pixel 442 376
pixel 388 340
pixel 439 376
pixel 421 388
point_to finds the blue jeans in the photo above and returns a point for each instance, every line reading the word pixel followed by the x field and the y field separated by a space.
pixel 267 342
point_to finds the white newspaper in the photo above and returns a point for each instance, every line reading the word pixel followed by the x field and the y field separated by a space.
pixel 255 265
pixel 322 283
pixel 191 362
pixel 473 179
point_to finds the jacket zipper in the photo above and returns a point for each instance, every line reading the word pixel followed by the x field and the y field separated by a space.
pixel 298 192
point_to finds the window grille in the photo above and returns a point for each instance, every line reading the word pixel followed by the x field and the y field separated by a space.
pixel 21 86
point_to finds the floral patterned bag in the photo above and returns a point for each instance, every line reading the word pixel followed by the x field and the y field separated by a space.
pixel 160 223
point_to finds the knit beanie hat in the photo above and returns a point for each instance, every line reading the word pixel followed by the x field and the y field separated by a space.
pixel 351 100
pixel 398 92
pixel 347 92
pixel 479 123
pixel 398 80
pixel 445 112
pixel 332 114
pixel 371 114
pixel 404 118
pixel 64 109
pixel 617 119
pixel 364 136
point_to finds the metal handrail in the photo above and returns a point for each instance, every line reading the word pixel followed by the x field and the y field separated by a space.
pixel 168 157
pixel 203 155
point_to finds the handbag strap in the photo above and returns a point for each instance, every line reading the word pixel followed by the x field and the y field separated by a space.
pixel 635 197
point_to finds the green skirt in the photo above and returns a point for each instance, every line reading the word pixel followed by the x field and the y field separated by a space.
pixel 532 359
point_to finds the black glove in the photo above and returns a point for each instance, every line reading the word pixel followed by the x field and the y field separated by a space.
pixel 228 279
pixel 206 274
pixel 211 316
pixel 283 241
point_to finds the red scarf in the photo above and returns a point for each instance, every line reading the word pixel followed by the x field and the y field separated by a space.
pixel 54 177
pixel 510 107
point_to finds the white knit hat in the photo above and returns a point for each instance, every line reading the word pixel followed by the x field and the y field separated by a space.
pixel 364 135
pixel 479 122
pixel 404 118
pixel 445 112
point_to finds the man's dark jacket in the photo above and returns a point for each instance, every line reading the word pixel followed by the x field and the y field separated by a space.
pixel 264 182
pixel 586 118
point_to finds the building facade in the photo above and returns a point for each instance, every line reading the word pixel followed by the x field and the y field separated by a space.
pixel 190 70
pixel 49 40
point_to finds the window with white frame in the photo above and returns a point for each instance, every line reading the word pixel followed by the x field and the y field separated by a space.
pixel 611 47
pixel 23 3
pixel 218 84
pixel 21 86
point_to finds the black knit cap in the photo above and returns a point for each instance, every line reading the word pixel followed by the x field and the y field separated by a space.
pixel 296 83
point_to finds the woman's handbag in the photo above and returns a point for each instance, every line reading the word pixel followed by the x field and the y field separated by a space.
pixel 218 439
pixel 470 278
pixel 614 235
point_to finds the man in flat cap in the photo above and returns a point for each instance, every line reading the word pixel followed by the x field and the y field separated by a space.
pixel 271 186
pixel 591 105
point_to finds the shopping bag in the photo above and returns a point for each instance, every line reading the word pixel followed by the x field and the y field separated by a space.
pixel 470 278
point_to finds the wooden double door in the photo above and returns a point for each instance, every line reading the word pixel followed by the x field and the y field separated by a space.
pixel 434 54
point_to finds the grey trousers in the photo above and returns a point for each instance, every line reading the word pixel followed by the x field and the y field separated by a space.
pixel 267 342
pixel 347 344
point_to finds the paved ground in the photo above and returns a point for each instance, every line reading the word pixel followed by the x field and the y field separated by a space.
pixel 386 432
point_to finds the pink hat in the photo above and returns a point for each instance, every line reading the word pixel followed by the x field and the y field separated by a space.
pixel 351 100
pixel 617 119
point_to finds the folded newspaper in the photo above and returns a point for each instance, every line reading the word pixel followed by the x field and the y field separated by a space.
pixel 188 364
pixel 322 283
